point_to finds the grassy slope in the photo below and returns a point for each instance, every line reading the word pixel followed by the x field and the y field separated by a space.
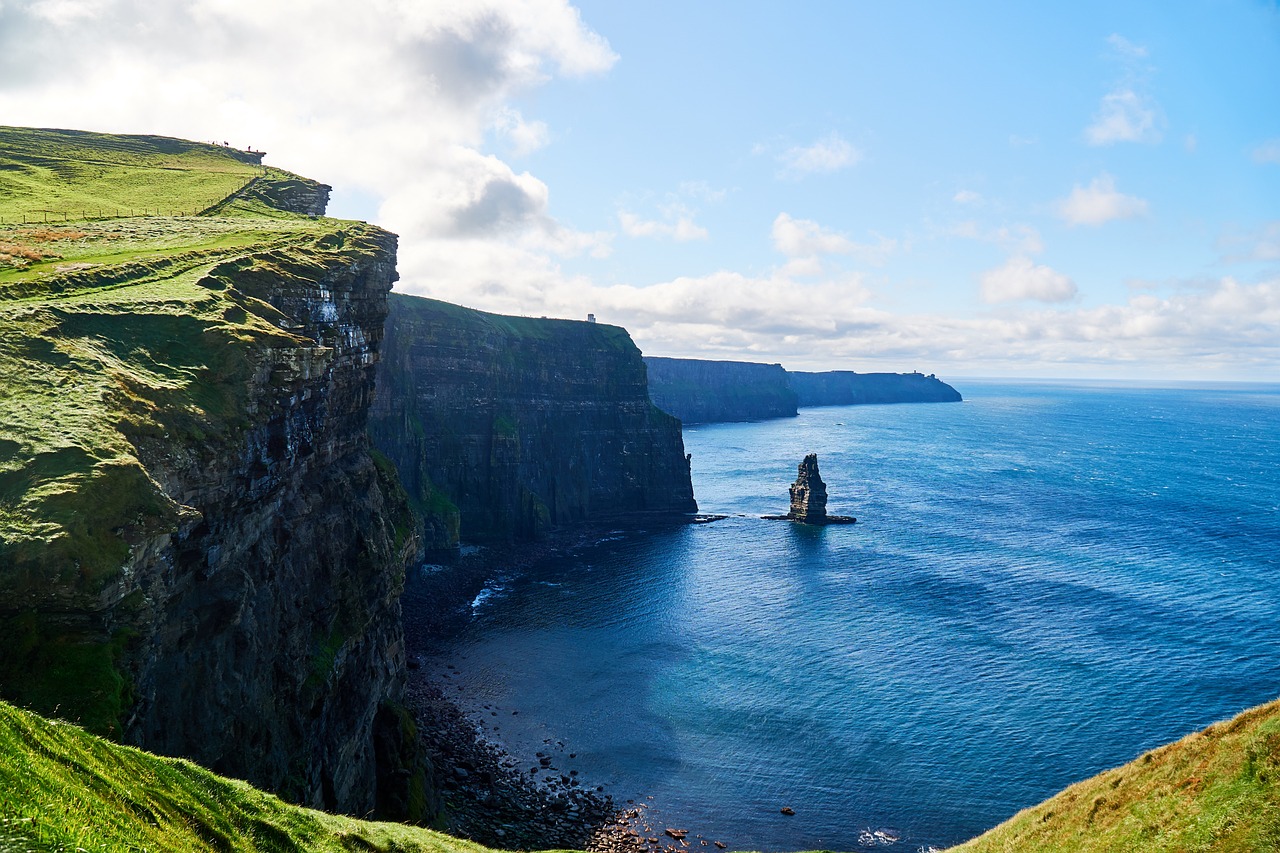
pixel 1215 790
pixel 62 789
pixel 74 173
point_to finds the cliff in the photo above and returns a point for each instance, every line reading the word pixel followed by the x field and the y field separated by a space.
pixel 198 552
pixel 703 391
pixel 846 388
pixel 505 427
pixel 699 391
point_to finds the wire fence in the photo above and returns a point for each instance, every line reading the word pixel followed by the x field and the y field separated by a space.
pixel 53 217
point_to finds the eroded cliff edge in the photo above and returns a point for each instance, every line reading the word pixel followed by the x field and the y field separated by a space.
pixel 198 553
pixel 504 428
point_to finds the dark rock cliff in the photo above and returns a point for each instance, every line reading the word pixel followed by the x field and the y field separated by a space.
pixel 700 391
pixel 275 626
pixel 252 619
pixel 846 388
pixel 703 391
pixel 505 427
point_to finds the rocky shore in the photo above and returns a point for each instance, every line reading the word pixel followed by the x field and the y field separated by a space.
pixel 511 802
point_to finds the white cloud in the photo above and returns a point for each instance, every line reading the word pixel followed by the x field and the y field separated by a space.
pixel 525 136
pixel 1267 152
pixel 1124 116
pixel 967 197
pixel 681 230
pixel 1099 202
pixel 804 238
pixel 1181 336
pixel 400 111
pixel 829 154
pixel 1020 279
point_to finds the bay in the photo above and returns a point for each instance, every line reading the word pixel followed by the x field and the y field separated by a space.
pixel 1044 581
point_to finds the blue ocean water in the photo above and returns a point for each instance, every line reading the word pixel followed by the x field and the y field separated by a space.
pixel 1044 581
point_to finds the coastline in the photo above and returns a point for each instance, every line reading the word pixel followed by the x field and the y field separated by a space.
pixel 492 796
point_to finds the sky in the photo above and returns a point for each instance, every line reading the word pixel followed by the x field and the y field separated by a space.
pixel 1084 189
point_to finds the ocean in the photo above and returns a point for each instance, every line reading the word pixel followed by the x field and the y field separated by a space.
pixel 1044 581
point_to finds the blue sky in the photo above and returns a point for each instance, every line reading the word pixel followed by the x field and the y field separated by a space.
pixel 1086 189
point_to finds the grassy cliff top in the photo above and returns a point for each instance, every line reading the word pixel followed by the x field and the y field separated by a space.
pixel 1218 790
pixel 511 326
pixel 62 789
pixel 46 175
pixel 118 329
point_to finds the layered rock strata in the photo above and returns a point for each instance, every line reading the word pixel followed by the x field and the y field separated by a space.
pixel 228 588
pixel 504 428
pixel 809 493
pixel 809 498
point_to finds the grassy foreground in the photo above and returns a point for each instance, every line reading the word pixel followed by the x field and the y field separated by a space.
pixel 63 790
pixel 1217 790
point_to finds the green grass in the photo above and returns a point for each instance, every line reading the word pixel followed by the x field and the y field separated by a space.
pixel 1215 790
pixel 62 789
pixel 46 175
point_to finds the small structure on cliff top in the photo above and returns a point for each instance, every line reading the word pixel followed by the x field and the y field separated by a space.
pixel 809 498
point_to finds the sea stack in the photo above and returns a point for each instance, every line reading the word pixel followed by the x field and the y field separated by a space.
pixel 809 498
pixel 809 493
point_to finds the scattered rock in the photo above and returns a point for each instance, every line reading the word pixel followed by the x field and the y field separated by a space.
pixel 787 810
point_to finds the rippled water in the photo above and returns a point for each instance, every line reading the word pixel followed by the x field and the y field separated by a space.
pixel 1044 581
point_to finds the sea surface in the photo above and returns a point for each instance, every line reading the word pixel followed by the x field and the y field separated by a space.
pixel 1044 581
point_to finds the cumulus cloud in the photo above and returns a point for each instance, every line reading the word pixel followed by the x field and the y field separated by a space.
pixel 804 238
pixel 831 153
pixel 1267 152
pixel 395 102
pixel 1020 278
pixel 1179 336
pixel 1099 202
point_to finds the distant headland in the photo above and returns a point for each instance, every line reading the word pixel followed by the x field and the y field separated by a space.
pixel 703 391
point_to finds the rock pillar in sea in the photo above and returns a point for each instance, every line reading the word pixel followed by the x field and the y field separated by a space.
pixel 809 493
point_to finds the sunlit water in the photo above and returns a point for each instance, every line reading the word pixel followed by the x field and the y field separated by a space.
pixel 1044 581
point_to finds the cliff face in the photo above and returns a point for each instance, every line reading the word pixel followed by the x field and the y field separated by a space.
pixel 275 627
pixel 846 388
pixel 504 427
pixel 198 553
pixel 699 391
